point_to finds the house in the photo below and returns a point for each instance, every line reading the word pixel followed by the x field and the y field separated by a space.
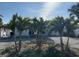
pixel 5 32
pixel 24 33
pixel 77 32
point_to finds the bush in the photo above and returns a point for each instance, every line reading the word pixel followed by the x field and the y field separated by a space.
pixel 50 52
pixel 32 53
pixel 28 53
pixel 7 50
pixel 12 54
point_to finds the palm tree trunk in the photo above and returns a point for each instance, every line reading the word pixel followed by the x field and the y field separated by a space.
pixel 38 44
pixel 68 41
pixel 61 42
pixel 38 41
pixel 19 48
pixel 14 38
pixel 67 45
pixel 15 43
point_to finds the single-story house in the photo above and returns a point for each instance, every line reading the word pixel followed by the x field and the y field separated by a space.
pixel 77 32
pixel 24 33
pixel 5 32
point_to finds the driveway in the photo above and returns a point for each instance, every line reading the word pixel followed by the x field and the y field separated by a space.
pixel 74 42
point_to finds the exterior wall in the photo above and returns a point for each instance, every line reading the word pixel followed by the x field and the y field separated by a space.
pixel 24 33
pixel 16 32
pixel 54 33
pixel 76 32
pixel 4 32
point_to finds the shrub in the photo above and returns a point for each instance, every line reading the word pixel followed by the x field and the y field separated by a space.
pixel 6 50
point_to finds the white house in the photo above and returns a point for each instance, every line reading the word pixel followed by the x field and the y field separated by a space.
pixel 24 33
pixel 4 32
pixel 76 32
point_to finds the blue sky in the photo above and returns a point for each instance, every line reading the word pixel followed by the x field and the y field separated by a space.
pixel 34 9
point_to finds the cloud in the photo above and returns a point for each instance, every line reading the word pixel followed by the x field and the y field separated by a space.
pixel 47 8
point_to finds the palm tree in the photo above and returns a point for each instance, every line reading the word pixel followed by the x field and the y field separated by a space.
pixel 12 25
pixel 70 27
pixel 22 24
pixel 38 28
pixel 58 26
pixel 74 10
pixel 40 31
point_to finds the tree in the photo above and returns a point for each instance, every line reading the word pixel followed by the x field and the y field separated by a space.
pixel 58 26
pixel 38 28
pixel 70 27
pixel 34 27
pixel 40 31
pixel 22 24
pixel 12 25
pixel 74 10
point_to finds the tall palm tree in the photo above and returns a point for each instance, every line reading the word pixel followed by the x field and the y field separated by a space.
pixel 40 31
pixel 74 11
pixel 12 25
pixel 22 24
pixel 58 26
pixel 70 27
pixel 38 27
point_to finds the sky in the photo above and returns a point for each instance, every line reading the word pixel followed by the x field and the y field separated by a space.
pixel 47 10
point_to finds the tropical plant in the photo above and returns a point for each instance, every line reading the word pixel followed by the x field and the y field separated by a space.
pixel 12 25
pixel 22 24
pixel 70 26
pixel 74 10
pixel 40 31
pixel 38 28
pixel 58 26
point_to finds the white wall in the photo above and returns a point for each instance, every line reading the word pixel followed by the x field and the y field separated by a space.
pixel 24 33
pixel 76 32
pixel 4 33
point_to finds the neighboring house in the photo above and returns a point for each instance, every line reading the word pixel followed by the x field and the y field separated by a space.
pixel 77 32
pixel 24 33
pixel 5 32
pixel 53 33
